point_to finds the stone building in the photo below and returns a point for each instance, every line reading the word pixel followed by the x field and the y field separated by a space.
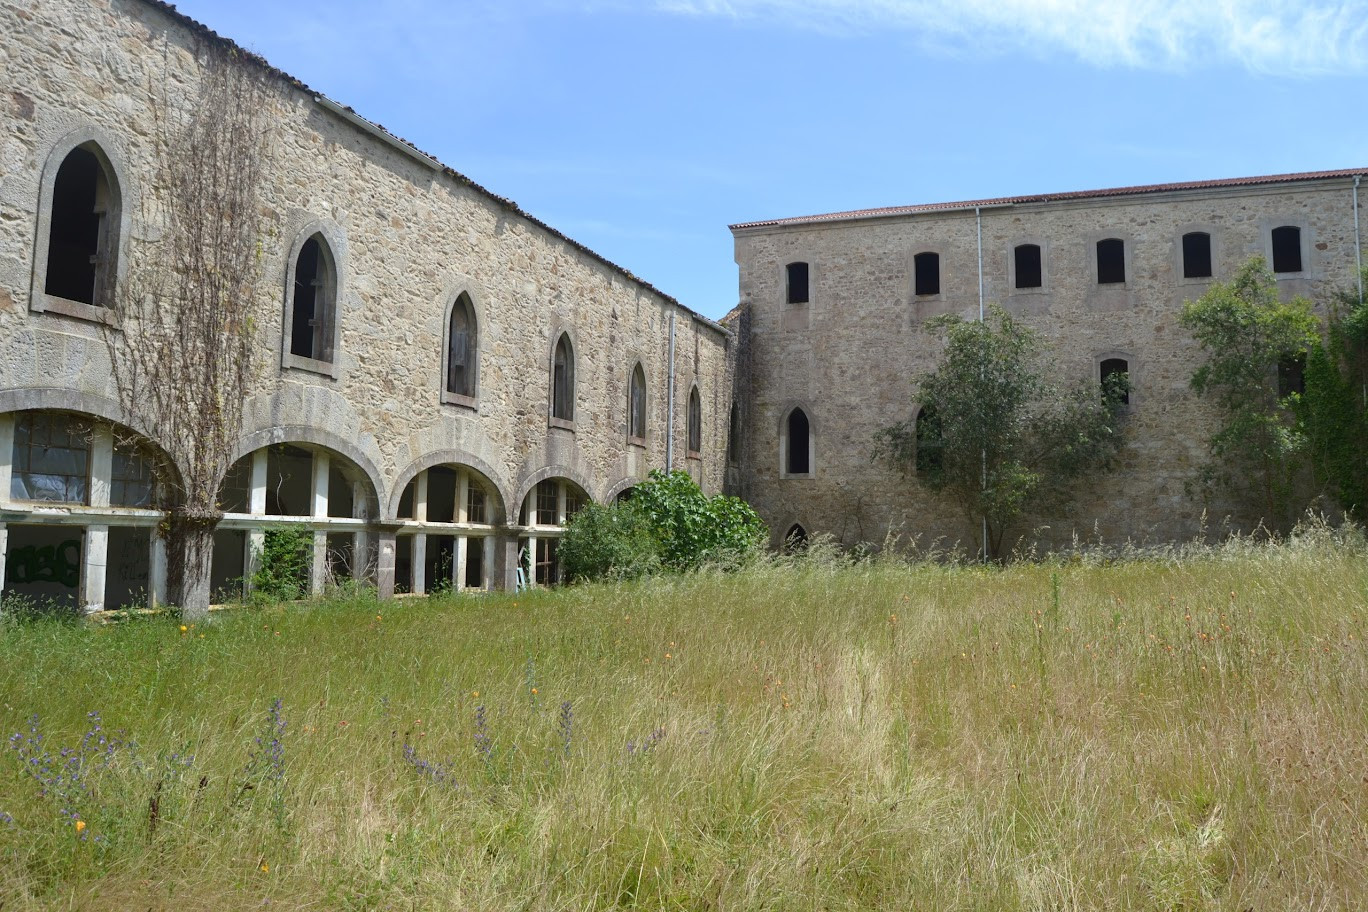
pixel 444 379
pixel 833 310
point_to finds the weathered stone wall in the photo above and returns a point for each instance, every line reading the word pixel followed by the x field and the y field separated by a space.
pixel 408 237
pixel 851 356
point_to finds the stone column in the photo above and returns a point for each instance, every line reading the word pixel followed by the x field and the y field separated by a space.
pixel 156 570
pixel 6 456
pixel 95 559
pixel 458 568
pixel 487 565
pixel 322 463
pixel 509 564
pixel 256 505
pixel 361 569
pixel 4 549
pixel 384 564
pixel 419 550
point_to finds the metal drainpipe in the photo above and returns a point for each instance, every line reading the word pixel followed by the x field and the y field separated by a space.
pixel 978 218
pixel 1358 260
pixel 669 396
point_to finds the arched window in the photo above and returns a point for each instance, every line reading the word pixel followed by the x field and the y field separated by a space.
pixel 930 443
pixel 1196 255
pixel 1287 254
pixel 462 349
pixel 734 435
pixel 563 380
pixel 314 307
pixel 636 405
pixel 1116 367
pixel 796 275
pixel 795 539
pixel 1026 260
pixel 695 435
pixel 926 267
pixel 82 237
pixel 1111 262
pixel 798 459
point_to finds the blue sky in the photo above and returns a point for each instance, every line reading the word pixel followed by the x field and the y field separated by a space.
pixel 642 129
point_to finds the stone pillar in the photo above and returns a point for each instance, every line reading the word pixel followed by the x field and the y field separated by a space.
pixel 94 563
pixel 361 569
pixel 509 565
pixel 156 570
pixel 487 565
pixel 458 566
pixel 256 505
pixel 384 564
pixel 418 553
pixel 4 549
pixel 322 463
pixel 101 464
pixel 6 457
pixel 531 559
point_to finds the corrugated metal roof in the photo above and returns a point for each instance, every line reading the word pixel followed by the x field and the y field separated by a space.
pixel 888 211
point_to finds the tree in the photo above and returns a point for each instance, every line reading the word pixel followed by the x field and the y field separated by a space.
pixel 1333 413
pixel 1256 348
pixel 996 436
pixel 182 350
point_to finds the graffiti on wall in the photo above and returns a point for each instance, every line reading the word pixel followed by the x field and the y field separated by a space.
pixel 59 564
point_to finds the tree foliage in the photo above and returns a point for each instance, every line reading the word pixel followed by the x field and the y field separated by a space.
pixel 1000 439
pixel 1248 334
pixel 668 523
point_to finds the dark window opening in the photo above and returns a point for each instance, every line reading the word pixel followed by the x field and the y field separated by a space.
pixel 1117 367
pixel 795 539
pixel 1111 262
pixel 930 444
pixel 563 381
pixel 311 323
pixel 797 283
pixel 1287 256
pixel 462 346
pixel 547 570
pixel 734 436
pixel 926 267
pixel 546 502
pixel 406 500
pixel 474 564
pixel 625 495
pixel 695 435
pixel 799 443
pixel 441 494
pixel 1027 262
pixel 341 491
pixel 1292 376
pixel 79 239
pixel 1197 255
pixel 636 422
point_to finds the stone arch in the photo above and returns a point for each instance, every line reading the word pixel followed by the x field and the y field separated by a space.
pixel 498 485
pixel 530 481
pixel 610 495
pixel 317 437
pixel 108 153
pixel 783 436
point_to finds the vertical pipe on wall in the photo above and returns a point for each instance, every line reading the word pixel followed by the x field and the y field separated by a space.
pixel 670 397
pixel 1358 260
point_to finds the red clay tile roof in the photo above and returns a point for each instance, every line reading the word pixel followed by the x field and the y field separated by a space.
pixel 1052 197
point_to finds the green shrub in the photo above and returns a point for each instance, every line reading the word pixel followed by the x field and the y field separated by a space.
pixel 692 528
pixel 283 564
pixel 613 542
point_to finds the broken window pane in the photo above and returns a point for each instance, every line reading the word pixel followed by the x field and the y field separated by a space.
pixel 51 459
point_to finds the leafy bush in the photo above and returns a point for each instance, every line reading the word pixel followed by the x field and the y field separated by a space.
pixel 614 542
pixel 670 523
pixel 283 564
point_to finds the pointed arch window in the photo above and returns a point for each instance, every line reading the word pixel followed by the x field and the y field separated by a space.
pixel 695 434
pixel 795 539
pixel 462 349
pixel 314 298
pixel 82 230
pixel 636 405
pixel 798 452
pixel 563 380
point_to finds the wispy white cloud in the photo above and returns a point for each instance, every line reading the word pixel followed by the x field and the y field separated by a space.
pixel 1271 36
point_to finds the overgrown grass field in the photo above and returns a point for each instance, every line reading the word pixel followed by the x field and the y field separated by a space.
pixel 1151 734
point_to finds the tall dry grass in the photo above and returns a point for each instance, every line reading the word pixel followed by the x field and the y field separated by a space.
pixel 1182 731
